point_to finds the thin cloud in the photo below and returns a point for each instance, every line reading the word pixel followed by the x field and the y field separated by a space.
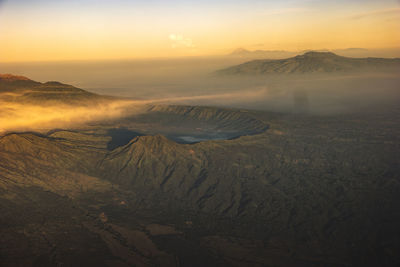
pixel 18 116
pixel 31 117
pixel 227 97
pixel 178 41
pixel 377 13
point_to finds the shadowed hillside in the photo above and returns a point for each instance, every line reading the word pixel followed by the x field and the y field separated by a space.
pixel 253 189
pixel 317 195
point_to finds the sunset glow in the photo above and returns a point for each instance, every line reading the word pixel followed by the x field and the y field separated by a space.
pixel 78 30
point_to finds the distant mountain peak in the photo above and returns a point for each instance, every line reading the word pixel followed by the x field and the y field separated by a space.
pixel 272 54
pixel 240 51
pixel 153 143
pixel 318 54
pixel 311 62
pixel 54 83
pixel 34 92
pixel 12 78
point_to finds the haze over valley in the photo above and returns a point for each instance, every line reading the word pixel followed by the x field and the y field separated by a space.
pixel 197 81
pixel 197 134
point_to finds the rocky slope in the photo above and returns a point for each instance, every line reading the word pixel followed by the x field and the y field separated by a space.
pixel 292 190
pixel 237 120
pixel 326 195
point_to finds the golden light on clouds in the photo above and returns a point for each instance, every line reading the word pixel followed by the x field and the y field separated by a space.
pixel 26 117
pixel 179 41
pixel 71 31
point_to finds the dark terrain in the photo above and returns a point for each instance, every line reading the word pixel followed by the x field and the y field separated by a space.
pixel 203 186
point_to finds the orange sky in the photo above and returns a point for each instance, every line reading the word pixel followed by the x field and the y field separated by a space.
pixel 78 30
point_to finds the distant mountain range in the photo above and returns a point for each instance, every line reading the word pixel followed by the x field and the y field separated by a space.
pixel 311 62
pixel 270 54
pixel 280 54
pixel 23 89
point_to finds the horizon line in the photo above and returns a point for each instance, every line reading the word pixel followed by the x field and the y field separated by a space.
pixel 195 57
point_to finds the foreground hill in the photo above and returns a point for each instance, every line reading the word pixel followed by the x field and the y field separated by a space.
pixel 171 185
pixel 311 62
pixel 15 88
pixel 301 191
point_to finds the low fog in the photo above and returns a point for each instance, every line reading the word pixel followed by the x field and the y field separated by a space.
pixel 194 82
pixel 32 117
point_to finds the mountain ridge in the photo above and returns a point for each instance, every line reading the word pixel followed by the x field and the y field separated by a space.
pixel 280 54
pixel 310 62
pixel 17 88
pixel 319 191
pixel 11 77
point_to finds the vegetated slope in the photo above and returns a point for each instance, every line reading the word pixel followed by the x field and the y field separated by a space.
pixel 55 164
pixel 311 189
pixel 311 62
pixel 21 89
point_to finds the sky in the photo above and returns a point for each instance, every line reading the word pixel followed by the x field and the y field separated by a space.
pixel 47 30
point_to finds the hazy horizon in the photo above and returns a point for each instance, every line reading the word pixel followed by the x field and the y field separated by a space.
pixel 193 82
pixel 189 133
pixel 44 30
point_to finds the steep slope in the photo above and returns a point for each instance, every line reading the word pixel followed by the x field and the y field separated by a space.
pixel 175 176
pixel 325 195
pixel 53 164
pixel 301 189
pixel 148 160
pixel 311 62
pixel 314 191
